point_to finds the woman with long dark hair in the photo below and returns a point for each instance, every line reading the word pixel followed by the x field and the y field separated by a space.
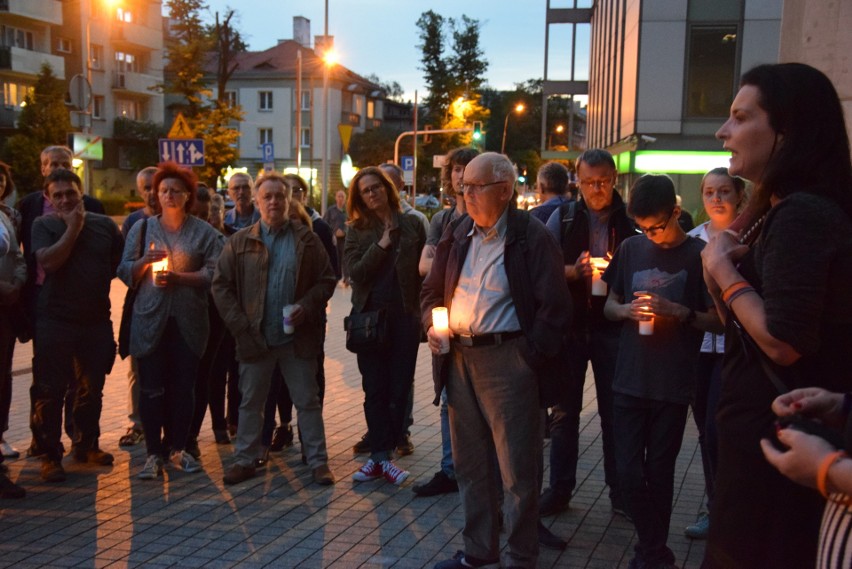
pixel 786 301
pixel 382 251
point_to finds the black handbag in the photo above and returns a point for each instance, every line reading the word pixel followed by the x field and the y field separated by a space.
pixel 127 309
pixel 366 331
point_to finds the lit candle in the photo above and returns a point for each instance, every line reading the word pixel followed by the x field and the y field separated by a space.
pixel 646 327
pixel 441 325
pixel 598 285
pixel 159 267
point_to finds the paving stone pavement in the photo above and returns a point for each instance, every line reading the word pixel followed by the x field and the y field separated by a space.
pixel 105 517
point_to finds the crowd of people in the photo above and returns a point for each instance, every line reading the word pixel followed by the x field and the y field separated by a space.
pixel 743 318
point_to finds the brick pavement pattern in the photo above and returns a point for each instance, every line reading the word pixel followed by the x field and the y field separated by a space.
pixel 105 517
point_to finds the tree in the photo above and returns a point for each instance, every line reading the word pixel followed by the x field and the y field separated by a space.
pixel 44 121
pixel 435 65
pixel 393 90
pixel 189 50
pixel 374 146
pixel 467 64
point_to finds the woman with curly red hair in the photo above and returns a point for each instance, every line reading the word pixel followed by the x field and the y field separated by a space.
pixel 170 324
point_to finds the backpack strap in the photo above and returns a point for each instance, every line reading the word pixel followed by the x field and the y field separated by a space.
pixel 566 218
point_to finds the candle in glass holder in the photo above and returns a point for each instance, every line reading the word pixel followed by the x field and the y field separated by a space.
pixel 598 285
pixel 646 327
pixel 158 267
pixel 441 325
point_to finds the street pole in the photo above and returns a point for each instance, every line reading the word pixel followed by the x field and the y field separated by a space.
pixel 505 126
pixel 325 119
pixel 299 112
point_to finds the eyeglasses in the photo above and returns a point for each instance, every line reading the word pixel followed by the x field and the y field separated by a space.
pixel 374 189
pixel 655 229
pixel 241 188
pixel 596 184
pixel 472 189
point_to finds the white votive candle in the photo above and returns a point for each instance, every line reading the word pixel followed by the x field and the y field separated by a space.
pixel 159 267
pixel 441 325
pixel 598 285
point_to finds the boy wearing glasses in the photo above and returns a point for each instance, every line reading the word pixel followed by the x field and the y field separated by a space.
pixel 657 289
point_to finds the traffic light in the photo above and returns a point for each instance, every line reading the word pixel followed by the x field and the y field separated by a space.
pixel 426 137
pixel 477 131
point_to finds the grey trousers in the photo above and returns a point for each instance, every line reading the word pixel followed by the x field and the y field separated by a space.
pixel 255 381
pixel 494 409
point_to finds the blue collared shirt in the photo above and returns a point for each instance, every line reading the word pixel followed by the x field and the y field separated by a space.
pixel 482 302
pixel 280 281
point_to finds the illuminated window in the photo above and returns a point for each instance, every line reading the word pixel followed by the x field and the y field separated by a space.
pixel 14 94
pixel 96 55
pixel 128 109
pixel 371 109
pixel 126 62
pixel 124 15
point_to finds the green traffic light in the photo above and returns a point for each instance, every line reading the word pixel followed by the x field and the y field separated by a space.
pixel 477 130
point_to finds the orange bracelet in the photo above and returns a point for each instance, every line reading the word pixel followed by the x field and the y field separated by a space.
pixel 822 471
pixel 739 285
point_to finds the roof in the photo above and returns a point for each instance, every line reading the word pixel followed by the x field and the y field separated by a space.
pixel 280 61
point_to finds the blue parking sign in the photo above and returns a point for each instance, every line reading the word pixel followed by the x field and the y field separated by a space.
pixel 268 150
pixel 407 163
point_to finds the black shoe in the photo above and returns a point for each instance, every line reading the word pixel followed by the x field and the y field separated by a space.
pixel 283 438
pixel 546 538
pixel 405 446
pixel 440 484
pixel 192 447
pixel 462 561
pixel 261 462
pixel 552 502
pixel 362 446
pixel 9 489
pixel 221 436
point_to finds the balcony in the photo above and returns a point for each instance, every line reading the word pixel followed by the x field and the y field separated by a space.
pixel 374 123
pixel 137 83
pixel 28 63
pixel 47 11
pixel 353 119
pixel 123 34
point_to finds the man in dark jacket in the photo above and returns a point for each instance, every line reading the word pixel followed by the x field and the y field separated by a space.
pixel 591 228
pixel 500 276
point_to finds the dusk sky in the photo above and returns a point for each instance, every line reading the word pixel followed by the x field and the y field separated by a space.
pixel 381 36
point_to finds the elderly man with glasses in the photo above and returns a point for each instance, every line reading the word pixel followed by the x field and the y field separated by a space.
pixel 243 214
pixel 500 276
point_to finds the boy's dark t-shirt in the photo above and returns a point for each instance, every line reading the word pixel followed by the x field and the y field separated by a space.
pixel 661 366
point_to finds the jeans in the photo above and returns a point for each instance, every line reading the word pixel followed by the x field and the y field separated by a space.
pixel 708 386
pixel 386 380
pixel 494 409
pixel 599 347
pixel 167 380
pixel 255 381
pixel 648 435
pixel 204 380
pixel 66 350
pixel 446 440
pixel 133 394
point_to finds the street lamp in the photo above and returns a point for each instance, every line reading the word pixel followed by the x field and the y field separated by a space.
pixel 519 108
pixel 558 130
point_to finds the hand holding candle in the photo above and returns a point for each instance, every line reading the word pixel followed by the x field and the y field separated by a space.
pixel 600 265
pixel 646 324
pixel 441 325
pixel 159 268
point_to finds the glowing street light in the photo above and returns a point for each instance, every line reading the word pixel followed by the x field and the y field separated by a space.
pixel 519 108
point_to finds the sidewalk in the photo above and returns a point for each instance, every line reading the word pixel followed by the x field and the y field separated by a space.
pixel 105 517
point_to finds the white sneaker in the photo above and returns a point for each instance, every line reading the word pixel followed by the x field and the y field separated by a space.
pixel 7 451
pixel 153 468
pixel 185 461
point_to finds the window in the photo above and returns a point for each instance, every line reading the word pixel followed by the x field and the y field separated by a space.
pixel 125 62
pixel 231 98
pixel 96 55
pixel 711 72
pixel 371 109
pixel 359 105
pixel 306 100
pixel 128 109
pixel 16 37
pixel 305 139
pixel 124 15
pixel 64 45
pixel 97 107
pixel 265 135
pixel 14 94
pixel 265 101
